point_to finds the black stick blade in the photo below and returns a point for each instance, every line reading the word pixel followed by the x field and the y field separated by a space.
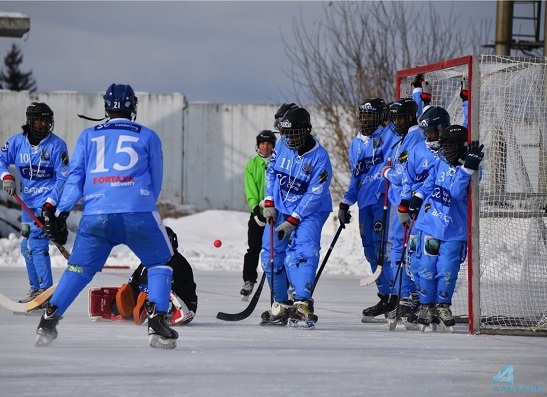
pixel 249 309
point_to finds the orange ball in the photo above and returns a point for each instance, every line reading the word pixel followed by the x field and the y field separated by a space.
pixel 217 243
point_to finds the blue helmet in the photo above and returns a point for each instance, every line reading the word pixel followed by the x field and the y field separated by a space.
pixel 121 98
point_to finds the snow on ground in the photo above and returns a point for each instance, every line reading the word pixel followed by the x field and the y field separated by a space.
pixel 196 234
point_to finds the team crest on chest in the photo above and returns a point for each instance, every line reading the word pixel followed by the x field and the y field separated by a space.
pixel 45 155
pixel 307 168
pixel 377 142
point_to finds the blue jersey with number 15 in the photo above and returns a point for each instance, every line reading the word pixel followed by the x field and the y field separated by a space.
pixel 116 167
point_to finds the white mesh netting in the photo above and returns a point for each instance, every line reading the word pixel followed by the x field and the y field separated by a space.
pixel 512 120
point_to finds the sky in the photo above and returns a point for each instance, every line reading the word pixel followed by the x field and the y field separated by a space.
pixel 218 52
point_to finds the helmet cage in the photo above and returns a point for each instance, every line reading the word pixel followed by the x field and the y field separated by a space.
pixel 294 138
pixel 372 113
pixel 39 112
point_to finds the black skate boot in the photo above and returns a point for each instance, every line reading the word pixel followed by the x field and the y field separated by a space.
pixel 445 316
pixel 380 308
pixel 47 329
pixel 301 315
pixel 246 290
pixel 161 335
pixel 425 318
pixel 400 313
pixel 278 314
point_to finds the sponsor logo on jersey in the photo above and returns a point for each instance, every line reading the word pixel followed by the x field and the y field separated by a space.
pixel 37 189
pixel 64 158
pixel 364 165
pixel 115 180
pixel 45 155
pixel 119 125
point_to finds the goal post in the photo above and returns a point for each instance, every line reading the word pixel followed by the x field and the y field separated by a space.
pixel 502 285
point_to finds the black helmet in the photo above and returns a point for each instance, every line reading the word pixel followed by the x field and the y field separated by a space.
pixel 372 113
pixel 172 238
pixel 295 126
pixel 403 114
pixel 434 120
pixel 121 98
pixel 39 111
pixel 453 143
pixel 266 136
pixel 281 112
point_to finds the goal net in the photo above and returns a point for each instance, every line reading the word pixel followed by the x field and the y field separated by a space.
pixel 502 286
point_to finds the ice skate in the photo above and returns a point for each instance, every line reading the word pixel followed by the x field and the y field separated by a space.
pixel 400 314
pixel 246 290
pixel 302 316
pixel 380 308
pixel 445 316
pixel 33 293
pixel 425 318
pixel 278 314
pixel 161 335
pixel 47 329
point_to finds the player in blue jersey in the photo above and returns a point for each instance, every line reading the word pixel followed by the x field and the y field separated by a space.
pixel 298 201
pixel 440 205
pixel 403 115
pixel 368 154
pixel 420 160
pixel 40 159
pixel 117 171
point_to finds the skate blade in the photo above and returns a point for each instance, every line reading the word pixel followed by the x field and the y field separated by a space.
pixel 245 298
pixel 278 323
pixel 158 342
pixel 42 340
pixel 392 323
pixel 448 328
pixel 373 320
pixel 37 312
pixel 294 323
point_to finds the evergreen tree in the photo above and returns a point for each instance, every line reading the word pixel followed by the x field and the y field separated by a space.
pixel 11 77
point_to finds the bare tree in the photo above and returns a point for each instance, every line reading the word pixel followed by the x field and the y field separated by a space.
pixel 355 54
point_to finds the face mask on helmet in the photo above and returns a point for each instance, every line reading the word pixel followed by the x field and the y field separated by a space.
pixel 372 113
pixel 294 128
pixel 39 120
pixel 120 98
pixel 433 122
pixel 403 115
pixel 453 144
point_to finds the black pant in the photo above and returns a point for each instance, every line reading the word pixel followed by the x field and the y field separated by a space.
pixel 252 257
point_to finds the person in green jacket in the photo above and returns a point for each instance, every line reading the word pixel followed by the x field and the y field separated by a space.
pixel 255 170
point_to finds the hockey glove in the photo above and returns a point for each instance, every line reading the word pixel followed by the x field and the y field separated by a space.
pixel 418 80
pixel 258 217
pixel 415 205
pixel 55 226
pixel 269 211
pixel 474 156
pixel 426 93
pixel 464 90
pixel 344 214
pixel 286 228
pixel 403 212
pixel 8 184
pixel 385 170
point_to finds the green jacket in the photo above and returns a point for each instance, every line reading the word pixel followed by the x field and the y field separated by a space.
pixel 255 175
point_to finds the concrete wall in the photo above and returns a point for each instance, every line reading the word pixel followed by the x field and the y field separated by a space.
pixel 205 146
